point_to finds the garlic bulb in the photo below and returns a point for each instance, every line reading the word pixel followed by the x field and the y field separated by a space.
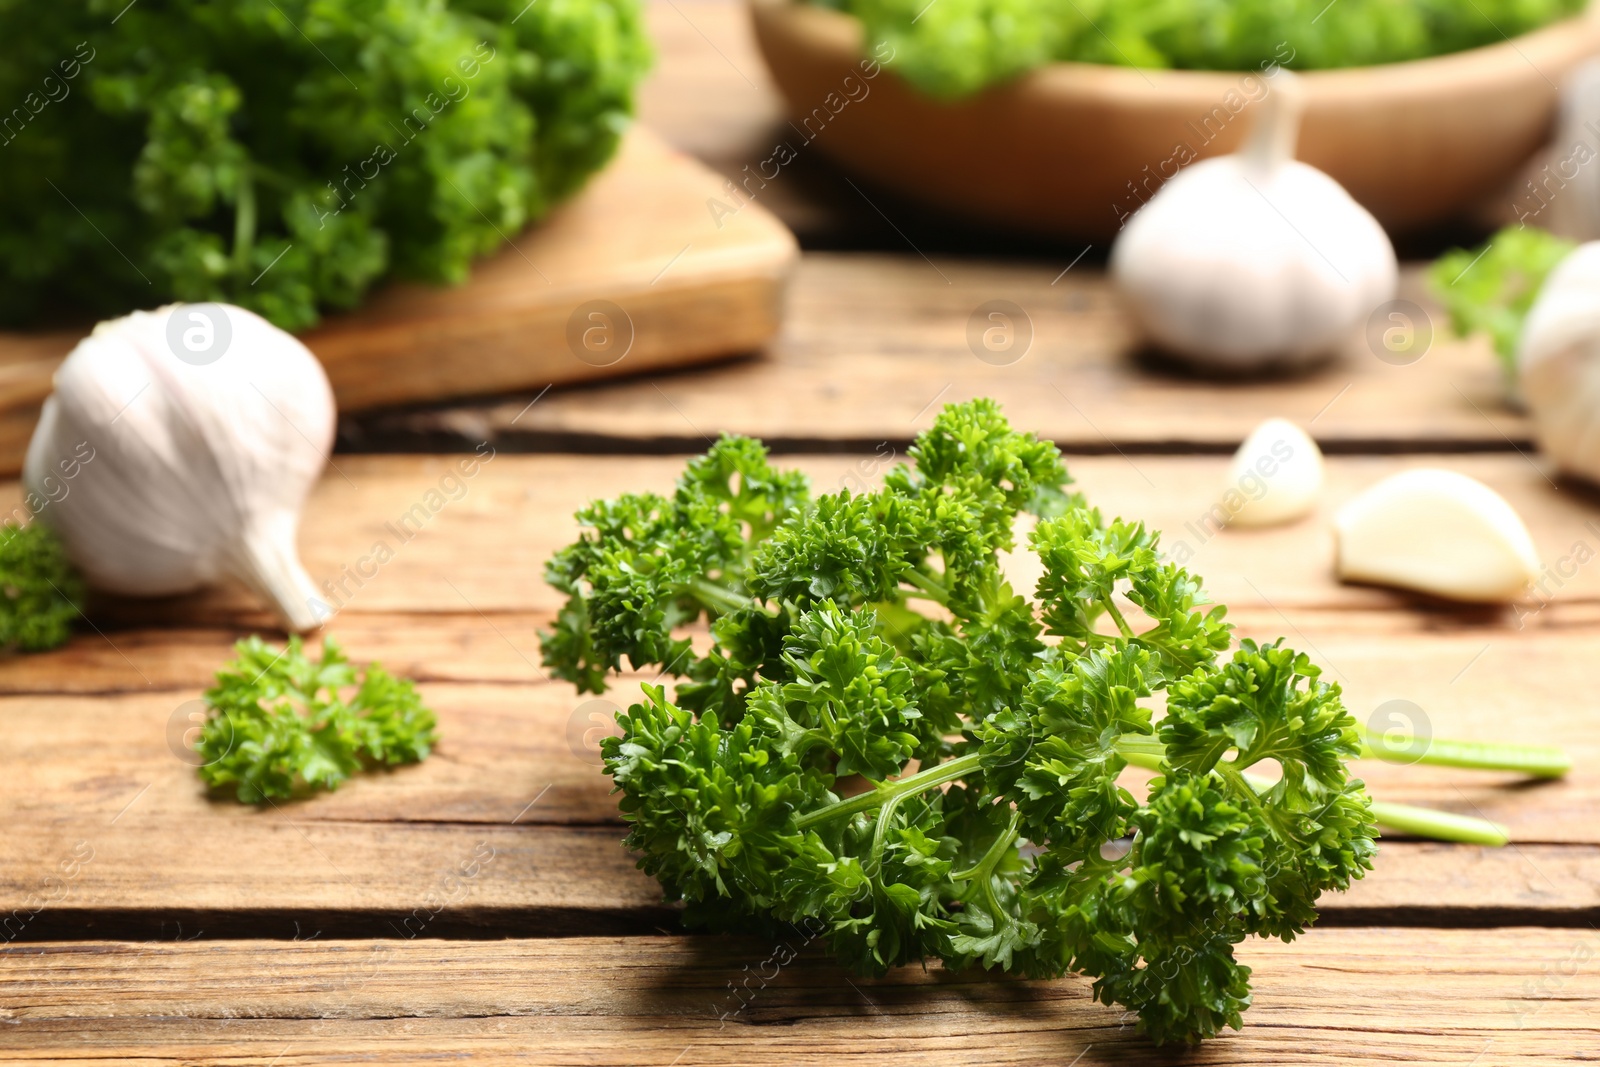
pixel 1438 532
pixel 208 427
pixel 1558 363
pixel 1254 258
pixel 1560 189
pixel 1274 477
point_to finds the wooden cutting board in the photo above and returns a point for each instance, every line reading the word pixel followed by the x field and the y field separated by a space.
pixel 655 264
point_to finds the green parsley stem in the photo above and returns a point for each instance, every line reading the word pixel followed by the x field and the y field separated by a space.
pixel 244 221
pixel 1439 825
pixel 996 852
pixel 1142 751
pixel 920 782
pixel 717 597
pixel 928 586
pixel 1122 624
pixel 1539 761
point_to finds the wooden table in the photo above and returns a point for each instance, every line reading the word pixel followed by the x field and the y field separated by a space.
pixel 480 904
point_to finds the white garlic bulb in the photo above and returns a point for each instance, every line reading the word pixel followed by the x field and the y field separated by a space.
pixel 1438 532
pixel 1274 477
pixel 1253 259
pixel 1560 188
pixel 1558 363
pixel 208 426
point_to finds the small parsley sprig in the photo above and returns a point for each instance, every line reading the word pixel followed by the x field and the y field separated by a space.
pixel 1490 290
pixel 282 724
pixel 885 737
pixel 41 593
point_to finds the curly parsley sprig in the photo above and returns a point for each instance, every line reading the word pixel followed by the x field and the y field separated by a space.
pixel 1490 290
pixel 883 736
pixel 282 724
pixel 41 593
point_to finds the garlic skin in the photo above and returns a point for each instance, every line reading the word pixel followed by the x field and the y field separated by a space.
pixel 1254 259
pixel 1558 363
pixel 1439 532
pixel 199 469
pixel 1573 210
pixel 1275 476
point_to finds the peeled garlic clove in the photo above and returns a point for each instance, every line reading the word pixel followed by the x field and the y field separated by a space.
pixel 1274 477
pixel 205 427
pixel 1251 259
pixel 1438 532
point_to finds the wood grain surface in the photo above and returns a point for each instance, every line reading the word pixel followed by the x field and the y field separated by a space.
pixel 1375 996
pixel 96 739
pixel 872 343
pixel 480 905
pixel 470 544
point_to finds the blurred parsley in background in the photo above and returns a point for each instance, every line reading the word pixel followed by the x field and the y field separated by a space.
pixel 284 155
pixel 951 48
pixel 1491 289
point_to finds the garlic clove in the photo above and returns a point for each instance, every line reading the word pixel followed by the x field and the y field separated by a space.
pixel 1275 476
pixel 1438 532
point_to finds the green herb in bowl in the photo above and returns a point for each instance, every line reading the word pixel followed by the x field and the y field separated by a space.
pixel 952 48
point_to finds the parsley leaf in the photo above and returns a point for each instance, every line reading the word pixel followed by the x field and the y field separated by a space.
pixel 41 593
pixel 282 724
pixel 1490 290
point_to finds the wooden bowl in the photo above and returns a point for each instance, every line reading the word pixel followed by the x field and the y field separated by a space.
pixel 1073 148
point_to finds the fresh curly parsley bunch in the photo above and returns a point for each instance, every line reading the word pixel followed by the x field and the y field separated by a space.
pixel 953 48
pixel 284 155
pixel 884 736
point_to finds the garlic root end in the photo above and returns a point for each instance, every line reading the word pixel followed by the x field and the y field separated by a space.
pixel 270 566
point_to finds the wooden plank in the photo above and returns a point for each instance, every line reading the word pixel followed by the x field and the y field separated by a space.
pixel 80 758
pixel 1336 996
pixel 517 772
pixel 870 341
pixel 459 608
pixel 475 544
pixel 678 286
